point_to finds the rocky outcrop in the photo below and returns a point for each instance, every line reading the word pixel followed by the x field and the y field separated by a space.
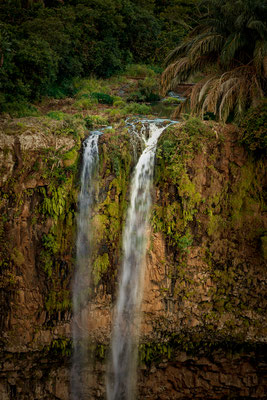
pixel 203 307
pixel 38 202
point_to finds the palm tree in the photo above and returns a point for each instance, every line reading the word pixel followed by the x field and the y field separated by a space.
pixel 229 48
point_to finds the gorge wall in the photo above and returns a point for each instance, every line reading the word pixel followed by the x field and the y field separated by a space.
pixel 203 330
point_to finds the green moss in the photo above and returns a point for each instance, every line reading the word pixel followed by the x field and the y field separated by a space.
pixel 50 243
pixel 70 157
pixel 179 195
pixel 216 222
pixel 190 197
pixel 100 266
pixel 58 300
pixel 17 257
pixel 100 223
pixel 241 191
pixel 109 213
pixel 195 343
pixel 55 199
pixel 59 347
pixel 173 219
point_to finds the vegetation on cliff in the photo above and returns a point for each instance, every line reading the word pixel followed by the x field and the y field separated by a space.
pixel 208 200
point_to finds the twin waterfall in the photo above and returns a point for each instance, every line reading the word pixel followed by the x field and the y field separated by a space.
pixel 121 371
pixel 121 380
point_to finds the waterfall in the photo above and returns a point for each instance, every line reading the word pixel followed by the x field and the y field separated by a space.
pixel 81 286
pixel 122 370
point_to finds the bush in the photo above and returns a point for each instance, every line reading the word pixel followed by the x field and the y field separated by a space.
pixel 194 126
pixel 139 71
pixel 136 96
pixel 149 88
pixel 88 86
pixel 103 98
pixel 19 109
pixel 135 108
pixel 61 90
pixel 93 120
pixel 171 100
pixel 58 115
pixel 119 103
pixel 85 103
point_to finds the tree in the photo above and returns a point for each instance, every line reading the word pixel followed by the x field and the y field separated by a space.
pixel 229 48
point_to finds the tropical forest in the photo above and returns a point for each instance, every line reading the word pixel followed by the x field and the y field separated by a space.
pixel 133 214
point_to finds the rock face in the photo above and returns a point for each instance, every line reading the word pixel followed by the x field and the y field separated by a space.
pixel 203 308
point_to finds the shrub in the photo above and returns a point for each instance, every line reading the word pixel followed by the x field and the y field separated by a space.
pixel 103 98
pixel 135 108
pixel 136 96
pixel 194 126
pixel 171 100
pixel 168 148
pixel 92 120
pixel 119 103
pixel 88 86
pixel 149 88
pixel 139 71
pixel 19 109
pixel 58 115
pixel 85 103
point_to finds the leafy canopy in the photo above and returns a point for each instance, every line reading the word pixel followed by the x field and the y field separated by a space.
pixel 44 44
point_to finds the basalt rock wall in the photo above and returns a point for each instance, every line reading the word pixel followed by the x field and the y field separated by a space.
pixel 203 326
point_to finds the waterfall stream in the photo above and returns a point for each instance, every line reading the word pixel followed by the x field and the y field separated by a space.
pixel 81 285
pixel 121 379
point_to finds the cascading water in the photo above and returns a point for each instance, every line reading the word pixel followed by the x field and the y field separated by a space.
pixel 121 375
pixel 81 285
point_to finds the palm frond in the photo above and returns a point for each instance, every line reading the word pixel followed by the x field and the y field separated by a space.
pixel 179 51
pixel 205 87
pixel 260 54
pixel 258 26
pixel 229 94
pixel 230 48
pixel 231 40
pixel 206 43
pixel 210 103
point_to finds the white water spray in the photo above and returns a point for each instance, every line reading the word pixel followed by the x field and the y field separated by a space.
pixel 121 381
pixel 81 285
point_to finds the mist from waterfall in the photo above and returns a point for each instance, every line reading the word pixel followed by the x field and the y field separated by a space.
pixel 121 376
pixel 81 360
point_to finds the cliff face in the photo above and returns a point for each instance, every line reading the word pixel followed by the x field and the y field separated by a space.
pixel 203 307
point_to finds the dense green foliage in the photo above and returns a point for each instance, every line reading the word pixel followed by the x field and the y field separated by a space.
pixel 45 43
pixel 229 48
